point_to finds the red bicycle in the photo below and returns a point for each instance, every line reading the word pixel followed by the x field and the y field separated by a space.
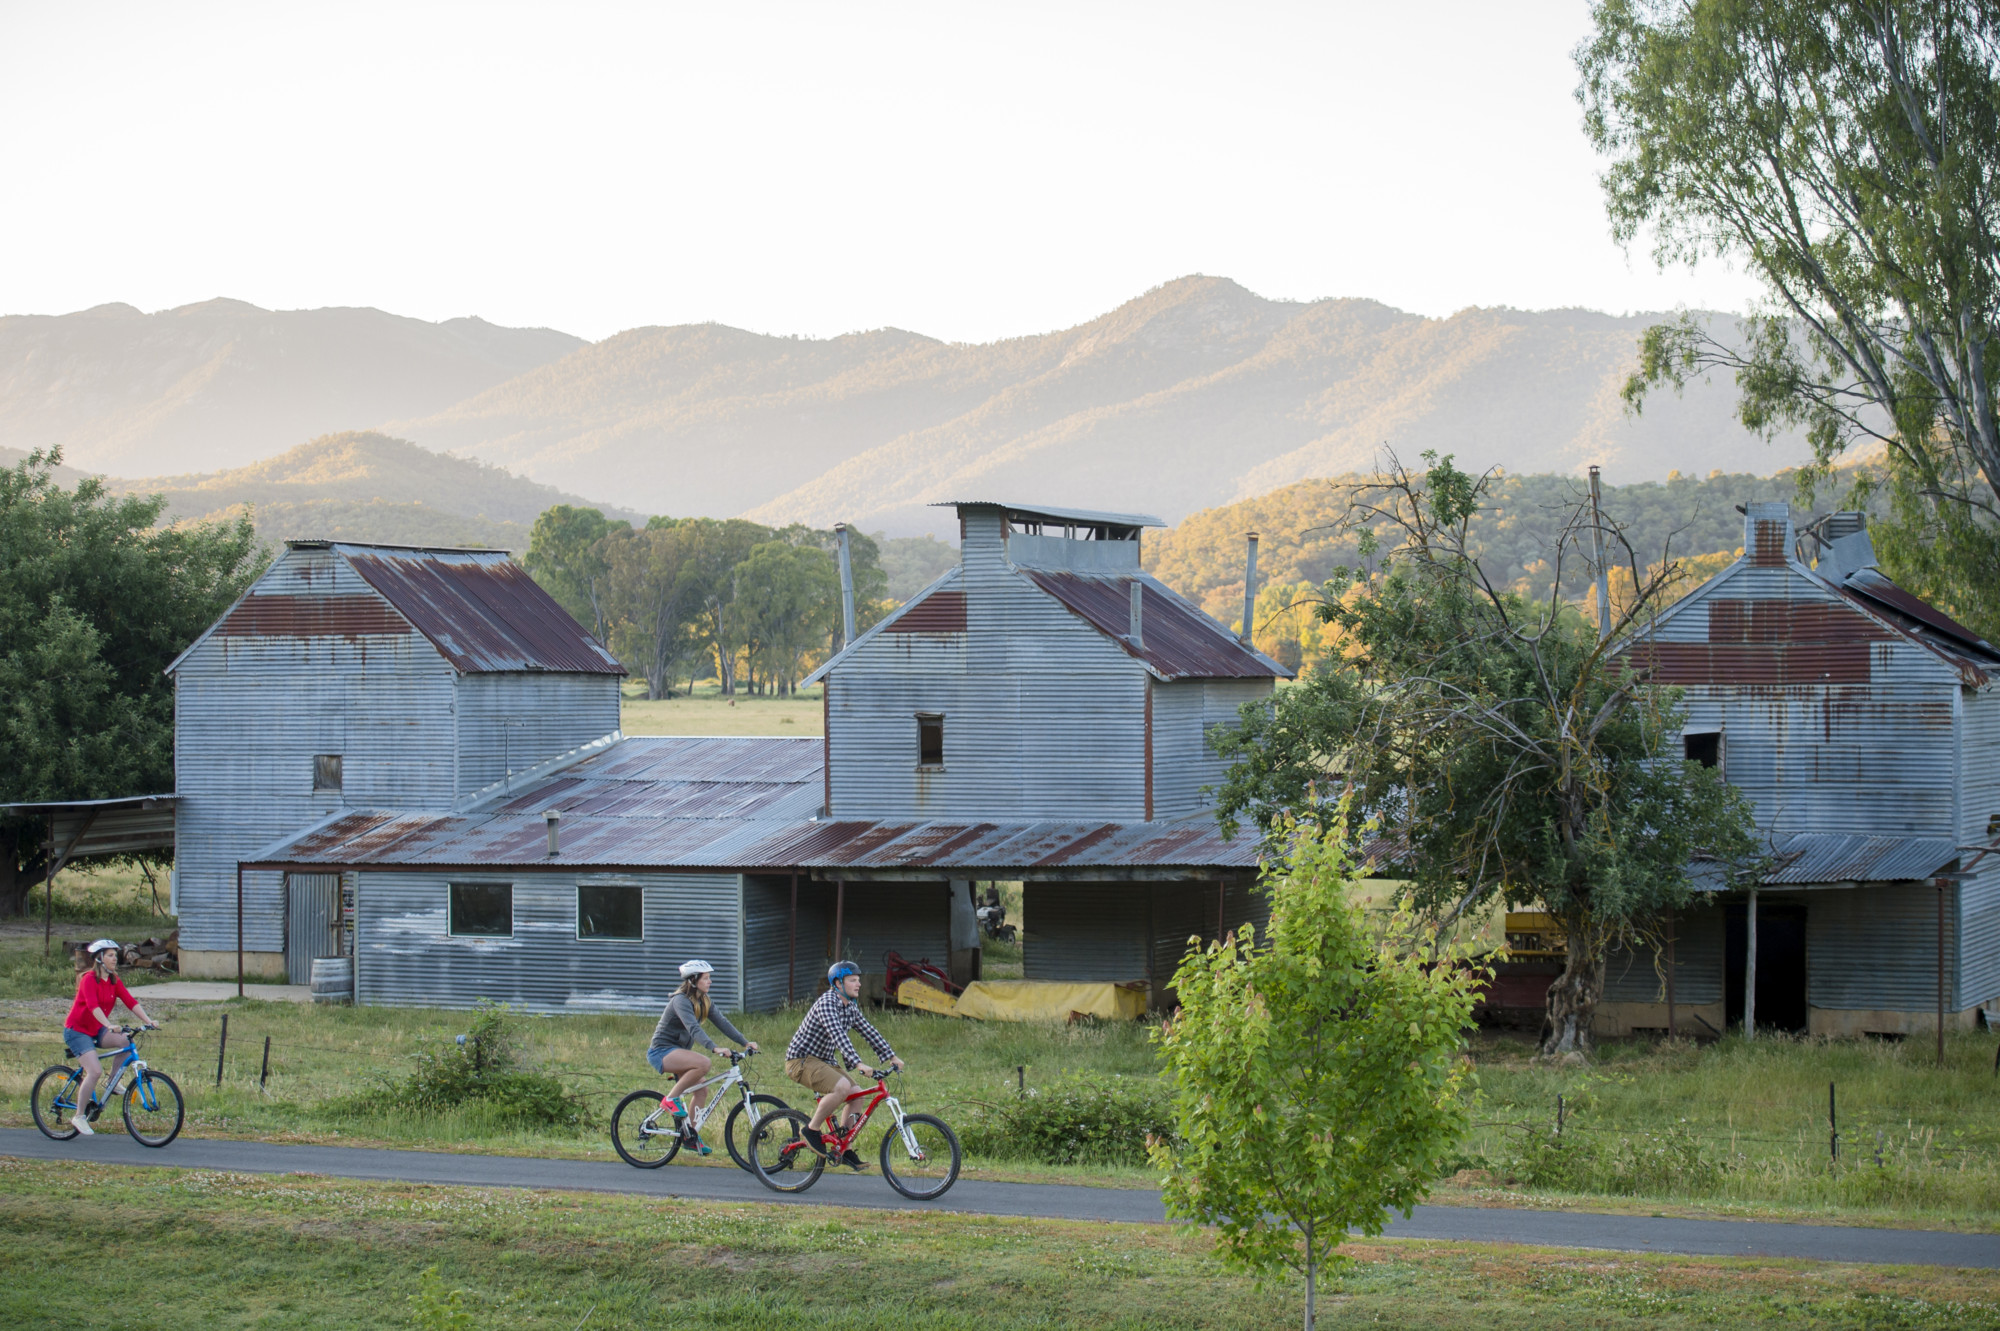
pixel 920 1155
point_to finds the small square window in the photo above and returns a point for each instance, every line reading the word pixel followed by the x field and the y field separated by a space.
pixel 1703 747
pixel 930 739
pixel 482 910
pixel 326 771
pixel 616 911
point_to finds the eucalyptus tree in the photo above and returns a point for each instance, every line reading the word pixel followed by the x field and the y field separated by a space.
pixel 1506 750
pixel 569 556
pixel 1846 153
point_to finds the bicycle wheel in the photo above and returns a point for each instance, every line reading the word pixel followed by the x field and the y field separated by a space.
pixel 645 1135
pixel 53 1100
pixel 920 1159
pixel 779 1156
pixel 733 1128
pixel 153 1109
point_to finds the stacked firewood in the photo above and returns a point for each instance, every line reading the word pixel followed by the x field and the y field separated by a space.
pixel 153 954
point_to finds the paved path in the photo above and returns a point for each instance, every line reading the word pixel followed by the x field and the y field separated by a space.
pixel 1559 1229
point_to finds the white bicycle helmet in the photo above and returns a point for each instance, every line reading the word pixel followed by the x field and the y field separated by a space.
pixel 100 945
pixel 693 968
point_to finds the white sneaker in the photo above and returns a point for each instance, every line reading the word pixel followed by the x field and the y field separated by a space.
pixel 82 1125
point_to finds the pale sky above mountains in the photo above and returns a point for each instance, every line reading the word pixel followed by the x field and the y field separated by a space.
pixel 973 172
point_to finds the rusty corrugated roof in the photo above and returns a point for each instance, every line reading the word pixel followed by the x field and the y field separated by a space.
pixel 738 803
pixel 1178 641
pixel 480 609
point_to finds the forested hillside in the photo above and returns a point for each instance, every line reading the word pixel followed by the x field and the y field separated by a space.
pixel 1203 557
pixel 364 486
pixel 1196 392
pixel 222 383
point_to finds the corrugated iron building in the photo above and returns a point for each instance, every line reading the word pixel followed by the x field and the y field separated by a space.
pixel 360 676
pixel 1864 727
pixel 1012 721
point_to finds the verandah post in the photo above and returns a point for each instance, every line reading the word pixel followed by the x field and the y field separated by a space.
pixel 792 946
pixel 239 947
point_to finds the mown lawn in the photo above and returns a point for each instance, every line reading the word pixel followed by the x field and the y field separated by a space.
pixel 707 712
pixel 196 1248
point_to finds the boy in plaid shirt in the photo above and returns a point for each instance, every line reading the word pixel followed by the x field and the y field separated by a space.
pixel 809 1057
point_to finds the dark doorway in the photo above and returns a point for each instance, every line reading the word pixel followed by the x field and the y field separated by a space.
pixel 1781 965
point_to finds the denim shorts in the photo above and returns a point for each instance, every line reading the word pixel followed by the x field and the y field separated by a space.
pixel 658 1056
pixel 78 1043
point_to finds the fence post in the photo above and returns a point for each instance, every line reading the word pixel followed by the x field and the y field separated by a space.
pixel 1832 1127
pixel 1559 1115
pixel 1021 1074
pixel 221 1047
pixel 265 1075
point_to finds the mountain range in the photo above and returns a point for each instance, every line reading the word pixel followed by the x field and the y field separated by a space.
pixel 1197 393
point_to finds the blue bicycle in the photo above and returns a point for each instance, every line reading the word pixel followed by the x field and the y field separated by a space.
pixel 152 1103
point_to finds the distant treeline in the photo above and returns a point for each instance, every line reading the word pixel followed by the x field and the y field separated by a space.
pixel 682 599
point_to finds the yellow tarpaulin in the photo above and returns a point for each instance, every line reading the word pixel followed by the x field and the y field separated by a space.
pixel 1029 1000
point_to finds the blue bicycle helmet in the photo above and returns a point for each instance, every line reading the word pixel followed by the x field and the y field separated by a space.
pixel 840 970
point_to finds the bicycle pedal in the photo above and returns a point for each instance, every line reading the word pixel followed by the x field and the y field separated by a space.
pixel 93 1111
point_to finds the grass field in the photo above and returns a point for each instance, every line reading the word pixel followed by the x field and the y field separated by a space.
pixel 709 713
pixel 201 1248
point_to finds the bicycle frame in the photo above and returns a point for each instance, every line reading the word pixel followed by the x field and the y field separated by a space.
pixel 876 1096
pixel 719 1085
pixel 121 1060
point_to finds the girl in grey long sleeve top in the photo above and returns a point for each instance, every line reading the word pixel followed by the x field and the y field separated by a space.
pixel 672 1052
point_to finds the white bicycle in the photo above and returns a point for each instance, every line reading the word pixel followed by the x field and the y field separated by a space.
pixel 647 1135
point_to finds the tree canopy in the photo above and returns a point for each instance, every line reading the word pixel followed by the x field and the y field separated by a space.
pixel 1849 156
pixel 1316 1072
pixel 95 601
pixel 1506 751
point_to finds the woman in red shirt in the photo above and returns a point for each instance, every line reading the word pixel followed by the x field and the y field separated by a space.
pixel 88 1027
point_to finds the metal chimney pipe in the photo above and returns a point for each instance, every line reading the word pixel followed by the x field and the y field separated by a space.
pixel 1603 574
pixel 1138 613
pixel 846 587
pixel 554 818
pixel 1250 591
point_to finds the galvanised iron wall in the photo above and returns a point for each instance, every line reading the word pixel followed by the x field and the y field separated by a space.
pixel 405 955
pixel 1042 716
pixel 1978 979
pixel 1636 975
pixel 1875 947
pixel 1184 763
pixel 510 722
pixel 251 711
pixel 911 918
pixel 1127 931
pixel 767 905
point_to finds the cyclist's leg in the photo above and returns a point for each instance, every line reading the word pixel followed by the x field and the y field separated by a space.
pixel 92 1069
pixel 687 1067
pixel 830 1102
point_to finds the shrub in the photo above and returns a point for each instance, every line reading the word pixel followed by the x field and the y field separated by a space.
pixel 1076 1119
pixel 483 1068
pixel 1665 1163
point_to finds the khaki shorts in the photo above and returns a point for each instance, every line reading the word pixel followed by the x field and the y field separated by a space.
pixel 815 1074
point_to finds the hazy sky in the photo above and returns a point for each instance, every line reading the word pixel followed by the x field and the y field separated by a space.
pixel 971 172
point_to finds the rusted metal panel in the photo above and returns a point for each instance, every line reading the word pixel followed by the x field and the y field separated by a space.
pixel 1737 620
pixel 480 609
pixel 940 612
pixel 1179 642
pixel 348 617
